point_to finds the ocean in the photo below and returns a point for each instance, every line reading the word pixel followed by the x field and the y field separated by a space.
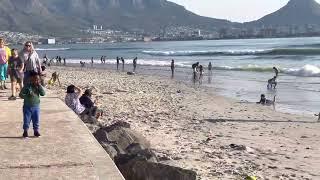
pixel 241 67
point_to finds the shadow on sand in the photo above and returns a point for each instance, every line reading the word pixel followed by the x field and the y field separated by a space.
pixel 256 121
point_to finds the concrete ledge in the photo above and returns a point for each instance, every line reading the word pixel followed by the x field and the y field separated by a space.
pixel 66 149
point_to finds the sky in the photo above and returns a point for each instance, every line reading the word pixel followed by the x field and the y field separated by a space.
pixel 233 10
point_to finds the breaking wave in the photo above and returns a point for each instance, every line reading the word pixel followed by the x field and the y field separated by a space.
pixel 305 71
pixel 284 51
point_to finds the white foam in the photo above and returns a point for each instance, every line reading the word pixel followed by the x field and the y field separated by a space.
pixel 52 49
pixel 209 52
pixel 306 71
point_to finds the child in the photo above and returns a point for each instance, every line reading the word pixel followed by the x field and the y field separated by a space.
pixel 15 70
pixel 31 110
pixel 265 101
pixel 54 78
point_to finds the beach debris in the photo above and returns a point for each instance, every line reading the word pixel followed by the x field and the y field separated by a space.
pixel 251 178
pixel 119 90
pixel 179 91
pixel 131 73
pixel 108 93
pixel 238 147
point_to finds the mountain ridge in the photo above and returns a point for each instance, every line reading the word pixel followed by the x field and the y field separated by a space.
pixel 61 16
pixel 295 12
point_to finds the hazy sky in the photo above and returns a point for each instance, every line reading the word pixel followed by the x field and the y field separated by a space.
pixel 234 10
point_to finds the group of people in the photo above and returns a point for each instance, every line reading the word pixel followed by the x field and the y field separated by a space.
pixel 118 59
pixel 24 69
pixel 272 84
pixel 103 59
pixel 58 61
pixel 81 103
pixel 198 71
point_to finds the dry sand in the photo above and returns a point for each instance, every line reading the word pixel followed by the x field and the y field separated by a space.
pixel 194 128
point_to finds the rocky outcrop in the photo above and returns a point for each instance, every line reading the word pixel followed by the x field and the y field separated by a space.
pixel 133 156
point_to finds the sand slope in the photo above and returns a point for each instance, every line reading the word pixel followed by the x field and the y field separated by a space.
pixel 193 128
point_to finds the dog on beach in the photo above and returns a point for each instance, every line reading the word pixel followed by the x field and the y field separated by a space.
pixel 265 101
pixel 272 83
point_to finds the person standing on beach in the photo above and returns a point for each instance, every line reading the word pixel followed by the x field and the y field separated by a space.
pixel 134 64
pixel 210 68
pixel 104 59
pixel 15 70
pixel 5 53
pixel 200 74
pixel 31 61
pixel 118 62
pixel 101 59
pixel 31 110
pixel 172 68
pixel 122 60
pixel 64 61
pixel 276 71
pixel 195 70
pixel 91 61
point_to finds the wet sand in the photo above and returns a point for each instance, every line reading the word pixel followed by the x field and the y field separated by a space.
pixel 194 128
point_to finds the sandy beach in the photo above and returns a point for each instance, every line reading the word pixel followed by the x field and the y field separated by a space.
pixel 194 128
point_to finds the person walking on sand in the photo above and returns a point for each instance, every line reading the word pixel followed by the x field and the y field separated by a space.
pixel 31 105
pixel 64 61
pixel 122 60
pixel 118 62
pixel 15 70
pixel 134 64
pixel 91 61
pixel 172 68
pixel 31 61
pixel 5 53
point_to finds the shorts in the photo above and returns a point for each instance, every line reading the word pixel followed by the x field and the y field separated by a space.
pixel 16 77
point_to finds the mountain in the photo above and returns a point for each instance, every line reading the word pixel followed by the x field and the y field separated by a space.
pixel 296 12
pixel 65 16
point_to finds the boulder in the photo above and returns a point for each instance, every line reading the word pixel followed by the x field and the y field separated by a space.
pixel 143 170
pixel 132 154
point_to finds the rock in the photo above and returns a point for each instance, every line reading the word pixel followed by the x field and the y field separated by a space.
pixel 89 119
pixel 133 156
pixel 139 170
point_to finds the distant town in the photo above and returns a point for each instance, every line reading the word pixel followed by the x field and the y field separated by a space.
pixel 97 34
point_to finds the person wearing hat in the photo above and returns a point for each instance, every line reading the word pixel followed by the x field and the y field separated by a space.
pixel 5 53
pixel 91 109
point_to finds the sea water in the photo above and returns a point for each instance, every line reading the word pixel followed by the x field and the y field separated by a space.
pixel 241 67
